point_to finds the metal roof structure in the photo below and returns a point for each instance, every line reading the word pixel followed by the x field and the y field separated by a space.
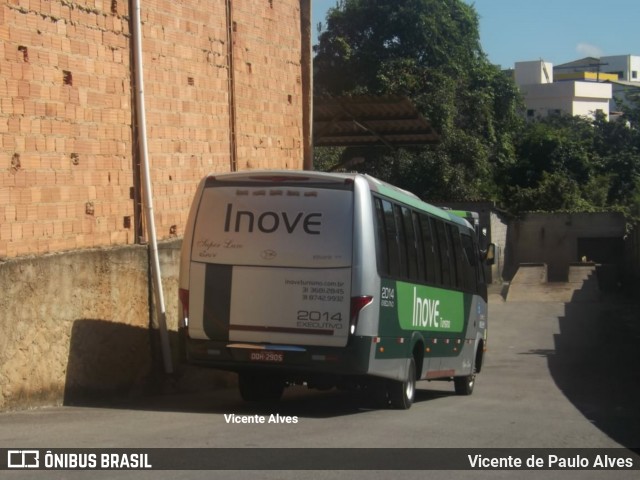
pixel 368 120
pixel 624 83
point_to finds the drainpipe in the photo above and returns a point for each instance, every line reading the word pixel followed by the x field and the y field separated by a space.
pixel 231 85
pixel 307 85
pixel 147 198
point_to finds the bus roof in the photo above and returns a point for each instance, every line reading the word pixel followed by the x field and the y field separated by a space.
pixel 411 200
pixel 282 176
pixel 375 185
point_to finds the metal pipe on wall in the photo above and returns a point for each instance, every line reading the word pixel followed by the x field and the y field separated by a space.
pixel 136 38
pixel 307 85
pixel 231 82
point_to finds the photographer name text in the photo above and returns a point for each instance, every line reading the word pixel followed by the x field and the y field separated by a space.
pixel 259 419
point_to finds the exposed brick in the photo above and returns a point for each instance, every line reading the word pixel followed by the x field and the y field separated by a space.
pixel 186 82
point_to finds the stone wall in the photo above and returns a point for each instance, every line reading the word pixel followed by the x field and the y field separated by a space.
pixel 77 325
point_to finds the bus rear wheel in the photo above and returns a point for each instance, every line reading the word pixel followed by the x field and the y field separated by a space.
pixel 464 385
pixel 260 388
pixel 402 393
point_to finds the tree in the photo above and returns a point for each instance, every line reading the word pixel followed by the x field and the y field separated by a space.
pixel 570 163
pixel 428 51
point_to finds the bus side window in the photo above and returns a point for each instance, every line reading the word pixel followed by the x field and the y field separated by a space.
pixel 445 256
pixel 459 259
pixel 479 264
pixel 410 243
pixel 403 270
pixel 420 261
pixel 431 250
pixel 382 246
pixel 391 232
pixel 470 261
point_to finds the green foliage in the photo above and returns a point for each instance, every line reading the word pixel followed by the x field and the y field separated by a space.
pixel 429 51
pixel 554 192
pixel 327 158
pixel 573 164
pixel 372 45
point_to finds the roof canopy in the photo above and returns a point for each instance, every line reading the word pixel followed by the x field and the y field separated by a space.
pixel 369 120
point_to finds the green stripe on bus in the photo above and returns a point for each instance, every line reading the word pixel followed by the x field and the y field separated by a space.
pixel 417 203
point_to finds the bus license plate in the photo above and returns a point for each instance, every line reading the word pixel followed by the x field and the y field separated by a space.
pixel 266 356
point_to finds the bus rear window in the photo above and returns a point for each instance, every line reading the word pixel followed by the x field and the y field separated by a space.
pixel 275 226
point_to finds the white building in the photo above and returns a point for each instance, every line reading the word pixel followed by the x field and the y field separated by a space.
pixel 625 69
pixel 543 96
pixel 626 66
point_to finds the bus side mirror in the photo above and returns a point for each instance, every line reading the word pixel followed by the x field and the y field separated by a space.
pixel 490 255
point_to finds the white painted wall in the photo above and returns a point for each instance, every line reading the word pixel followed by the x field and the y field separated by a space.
pixel 532 73
pixel 623 63
pixel 574 98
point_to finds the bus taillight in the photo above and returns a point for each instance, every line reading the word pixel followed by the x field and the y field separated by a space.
pixel 357 304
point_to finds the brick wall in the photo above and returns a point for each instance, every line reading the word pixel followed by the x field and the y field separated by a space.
pixel 67 131
pixel 267 49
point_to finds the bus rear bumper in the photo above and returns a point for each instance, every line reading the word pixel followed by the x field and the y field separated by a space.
pixel 285 360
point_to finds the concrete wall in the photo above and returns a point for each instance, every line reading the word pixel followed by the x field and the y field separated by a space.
pixel 554 239
pixel 573 98
pixel 71 322
pixel 533 72
pixel 499 234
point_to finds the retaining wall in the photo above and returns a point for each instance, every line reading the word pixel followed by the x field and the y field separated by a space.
pixel 77 325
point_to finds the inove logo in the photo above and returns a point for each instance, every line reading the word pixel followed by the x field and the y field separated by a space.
pixel 425 312
pixel 270 222
pixel 23 459
pixel 426 308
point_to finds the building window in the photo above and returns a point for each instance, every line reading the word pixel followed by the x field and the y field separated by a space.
pixel 531 113
pixel 634 74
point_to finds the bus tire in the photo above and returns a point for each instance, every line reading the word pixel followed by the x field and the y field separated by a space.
pixel 464 385
pixel 259 388
pixel 402 393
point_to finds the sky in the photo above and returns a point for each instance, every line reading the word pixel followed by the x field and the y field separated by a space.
pixel 557 31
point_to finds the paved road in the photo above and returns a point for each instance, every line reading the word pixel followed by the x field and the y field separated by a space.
pixel 557 375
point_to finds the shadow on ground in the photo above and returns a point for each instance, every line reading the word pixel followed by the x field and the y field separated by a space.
pixel 596 364
pixel 297 401
pixel 112 365
pixel 106 360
